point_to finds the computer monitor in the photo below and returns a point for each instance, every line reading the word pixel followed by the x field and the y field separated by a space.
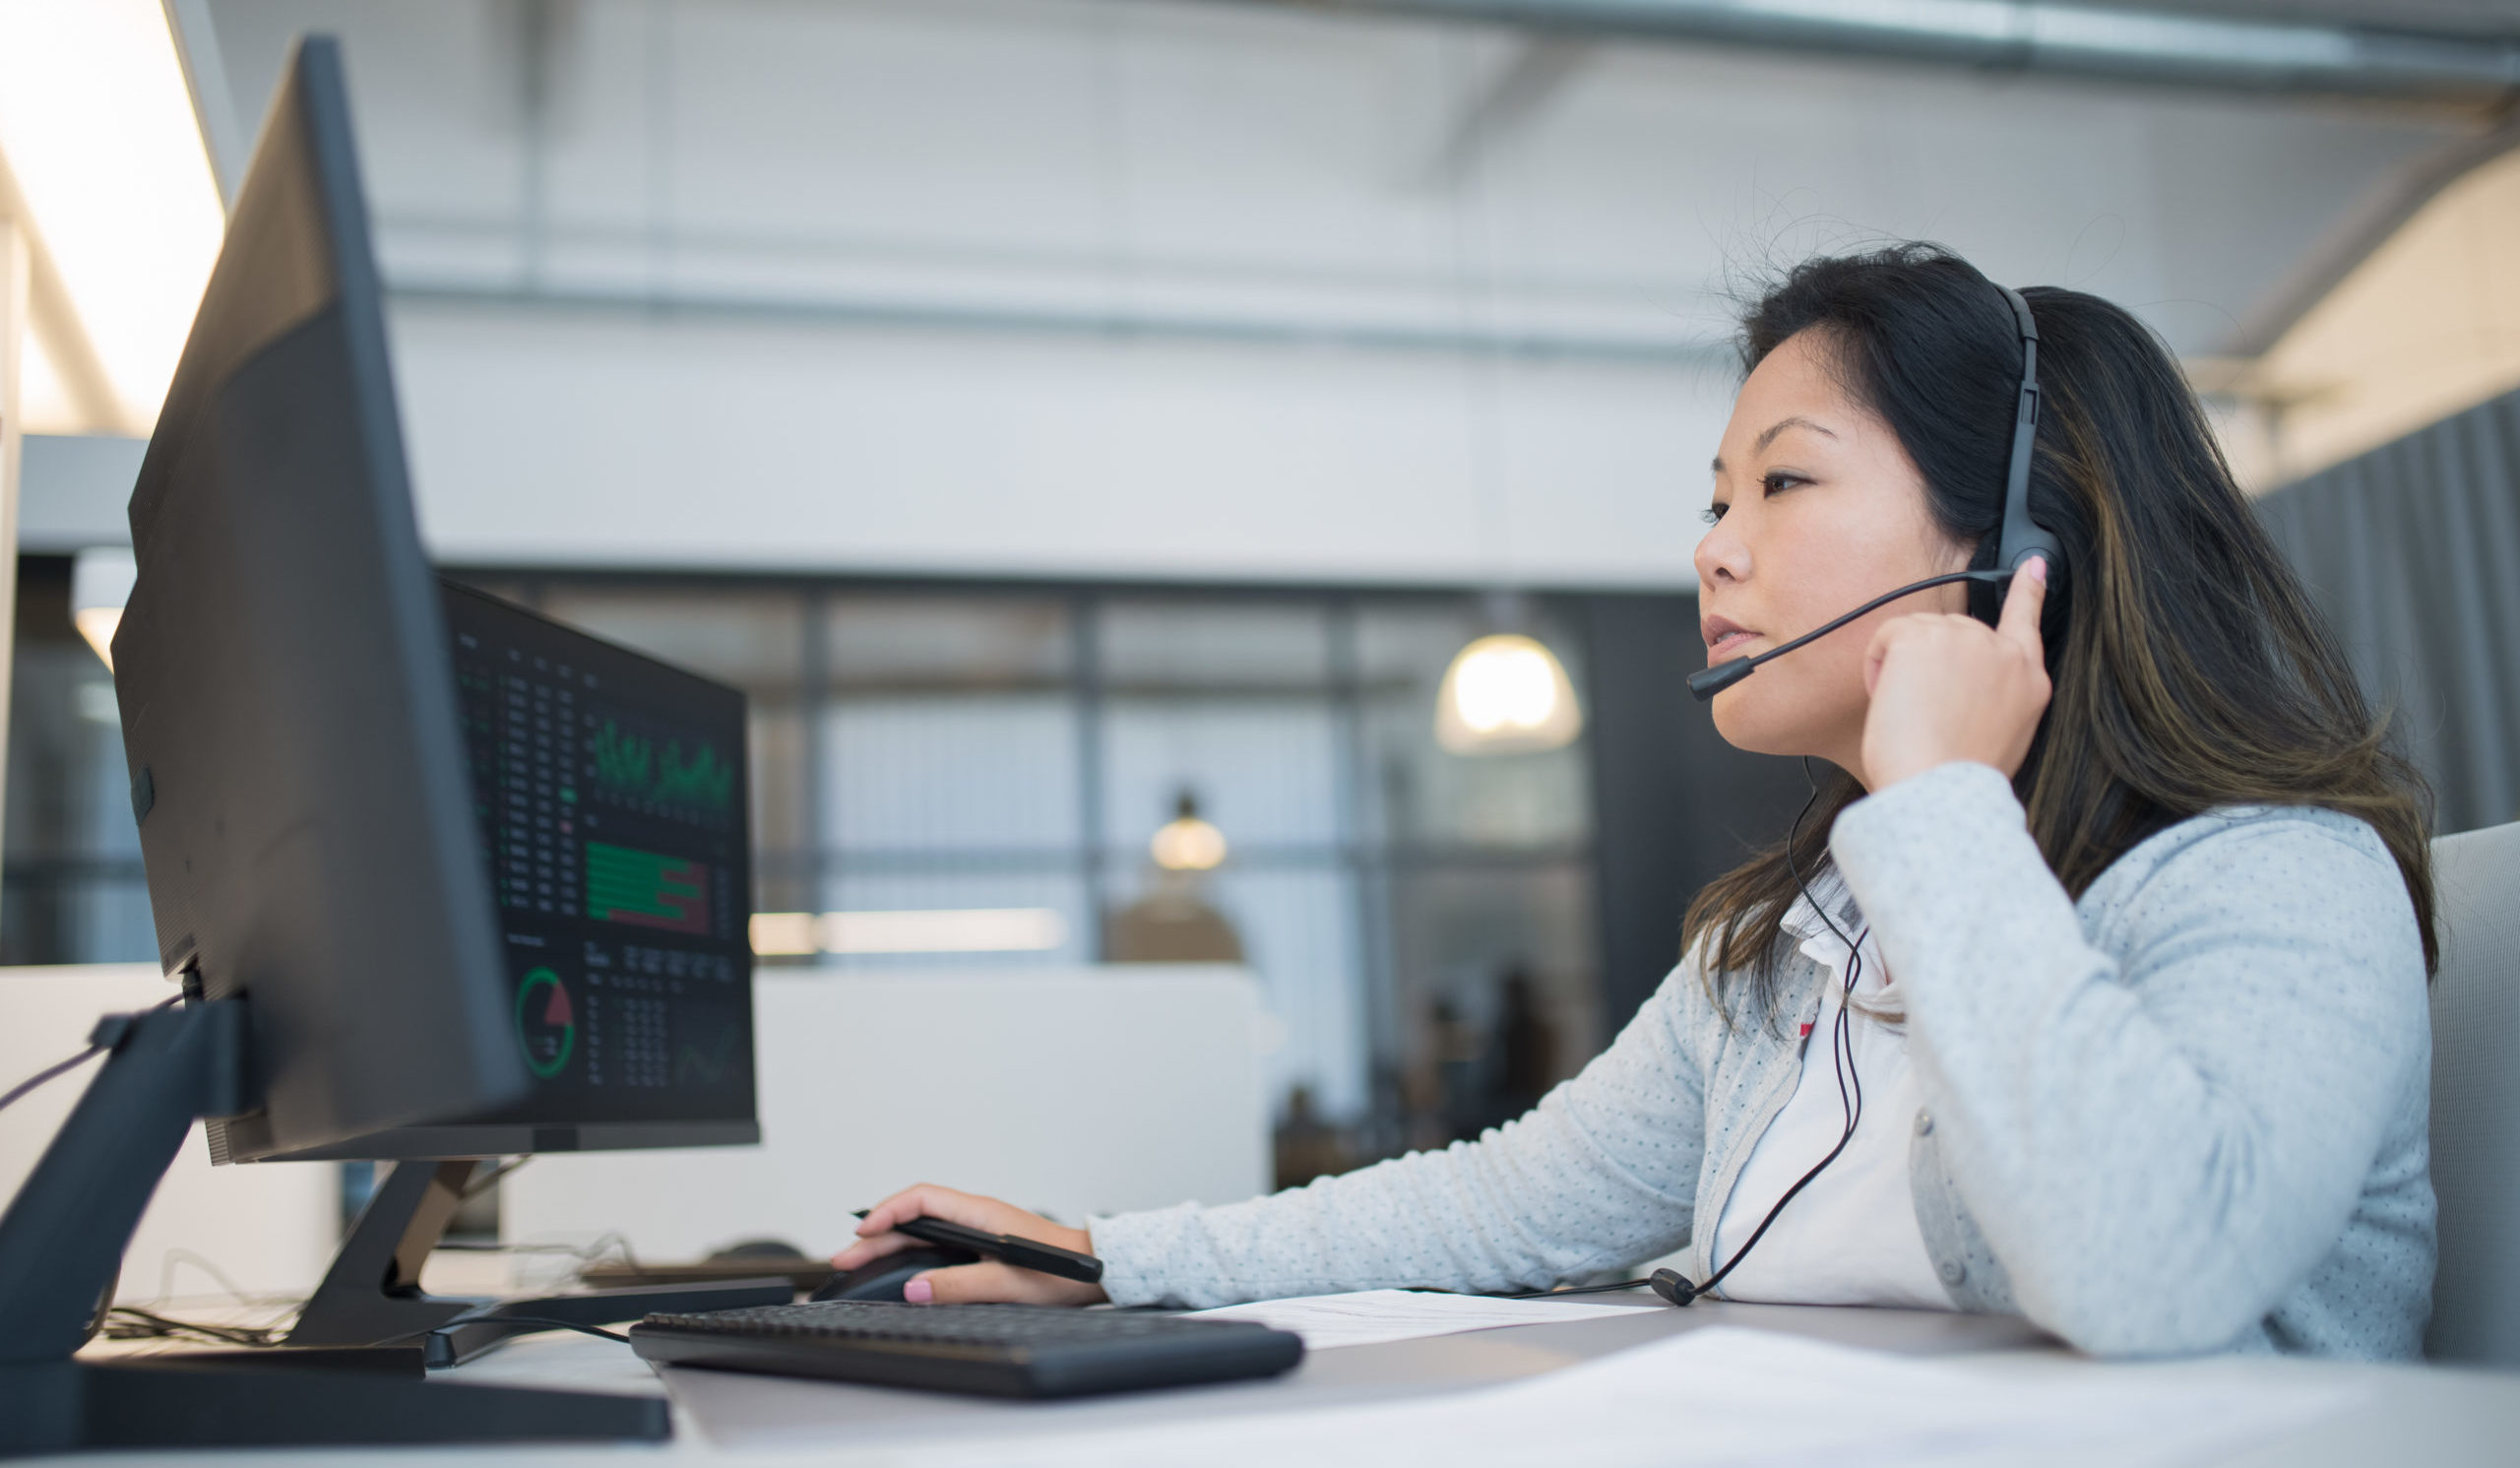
pixel 609 796
pixel 608 804
pixel 288 700
pixel 337 802
pixel 327 746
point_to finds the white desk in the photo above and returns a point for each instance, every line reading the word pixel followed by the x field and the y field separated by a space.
pixel 2409 1414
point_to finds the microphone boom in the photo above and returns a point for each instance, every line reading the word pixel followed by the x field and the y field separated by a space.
pixel 1713 680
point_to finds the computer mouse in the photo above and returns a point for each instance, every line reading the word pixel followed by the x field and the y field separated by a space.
pixel 767 1250
pixel 884 1278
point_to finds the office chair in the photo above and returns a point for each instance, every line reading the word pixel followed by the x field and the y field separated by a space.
pixel 2476 1099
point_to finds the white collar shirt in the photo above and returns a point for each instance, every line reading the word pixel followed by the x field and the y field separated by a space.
pixel 1852 1236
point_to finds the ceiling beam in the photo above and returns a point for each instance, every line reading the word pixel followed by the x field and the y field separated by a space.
pixel 2106 42
pixel 53 320
pixel 222 135
pixel 1543 344
pixel 2373 222
pixel 1520 90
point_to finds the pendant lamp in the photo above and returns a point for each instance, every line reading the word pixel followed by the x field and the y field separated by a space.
pixel 1506 694
pixel 1187 843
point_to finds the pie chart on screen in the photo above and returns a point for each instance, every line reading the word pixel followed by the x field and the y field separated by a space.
pixel 546 1023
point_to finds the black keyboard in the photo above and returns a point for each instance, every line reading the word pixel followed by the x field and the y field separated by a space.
pixel 997 1350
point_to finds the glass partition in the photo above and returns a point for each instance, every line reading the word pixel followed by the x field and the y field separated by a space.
pixel 962 776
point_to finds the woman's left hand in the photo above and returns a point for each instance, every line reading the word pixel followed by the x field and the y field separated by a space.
pixel 1948 687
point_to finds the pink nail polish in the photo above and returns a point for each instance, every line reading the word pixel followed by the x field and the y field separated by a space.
pixel 918 1292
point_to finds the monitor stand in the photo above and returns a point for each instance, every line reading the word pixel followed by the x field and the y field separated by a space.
pixel 372 1297
pixel 62 1242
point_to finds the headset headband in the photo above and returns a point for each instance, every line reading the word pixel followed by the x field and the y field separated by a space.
pixel 2021 537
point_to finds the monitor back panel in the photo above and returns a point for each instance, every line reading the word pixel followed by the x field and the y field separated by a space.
pixel 288 707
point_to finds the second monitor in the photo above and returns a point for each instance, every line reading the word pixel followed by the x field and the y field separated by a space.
pixel 609 793
pixel 610 803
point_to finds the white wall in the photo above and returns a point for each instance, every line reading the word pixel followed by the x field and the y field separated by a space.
pixel 1086 1091
pixel 1039 285
pixel 736 444
pixel 270 1228
pixel 1079 1091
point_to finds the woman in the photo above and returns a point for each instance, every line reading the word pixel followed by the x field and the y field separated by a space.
pixel 2114 917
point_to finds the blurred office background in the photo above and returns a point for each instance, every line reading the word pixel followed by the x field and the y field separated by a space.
pixel 1067 418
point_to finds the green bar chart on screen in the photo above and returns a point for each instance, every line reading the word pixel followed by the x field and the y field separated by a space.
pixel 647 888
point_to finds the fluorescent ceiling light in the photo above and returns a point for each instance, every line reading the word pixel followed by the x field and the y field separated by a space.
pixel 783 934
pixel 101 583
pixel 918 931
pixel 44 404
pixel 100 131
pixel 945 930
pixel 99 624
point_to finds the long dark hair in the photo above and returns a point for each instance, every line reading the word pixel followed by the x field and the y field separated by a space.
pixel 2189 668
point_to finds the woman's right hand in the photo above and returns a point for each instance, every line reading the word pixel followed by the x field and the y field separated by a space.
pixel 968 1283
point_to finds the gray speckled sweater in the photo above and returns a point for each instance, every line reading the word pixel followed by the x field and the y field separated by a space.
pixel 2185 1114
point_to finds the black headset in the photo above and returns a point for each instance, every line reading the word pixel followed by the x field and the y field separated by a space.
pixel 2022 537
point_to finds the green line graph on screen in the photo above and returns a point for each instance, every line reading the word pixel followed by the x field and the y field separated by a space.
pixel 710 1063
pixel 634 767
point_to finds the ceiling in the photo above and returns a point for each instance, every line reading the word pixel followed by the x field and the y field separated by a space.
pixel 1190 289
pixel 2484 18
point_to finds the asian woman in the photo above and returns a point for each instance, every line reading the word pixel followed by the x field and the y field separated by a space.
pixel 2091 984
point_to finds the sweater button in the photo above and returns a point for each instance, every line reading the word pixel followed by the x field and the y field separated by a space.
pixel 1952 1272
pixel 1924 1124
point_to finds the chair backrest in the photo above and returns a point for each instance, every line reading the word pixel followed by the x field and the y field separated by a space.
pixel 2476 1099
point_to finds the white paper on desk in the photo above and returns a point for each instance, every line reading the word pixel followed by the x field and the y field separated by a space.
pixel 1369 1318
pixel 1720 1395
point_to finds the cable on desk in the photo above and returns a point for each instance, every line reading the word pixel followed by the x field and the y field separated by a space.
pixel 583 1253
pixel 1625 1284
pixel 486 1317
pixel 144 1320
pixel 130 1322
pixel 491 1179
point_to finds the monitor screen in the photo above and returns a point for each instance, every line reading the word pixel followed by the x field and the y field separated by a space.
pixel 609 792
pixel 611 817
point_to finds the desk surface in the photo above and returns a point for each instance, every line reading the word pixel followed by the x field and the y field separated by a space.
pixel 2406 1414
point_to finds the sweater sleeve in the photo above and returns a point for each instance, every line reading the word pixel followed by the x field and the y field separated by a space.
pixel 1601 1174
pixel 2159 1145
